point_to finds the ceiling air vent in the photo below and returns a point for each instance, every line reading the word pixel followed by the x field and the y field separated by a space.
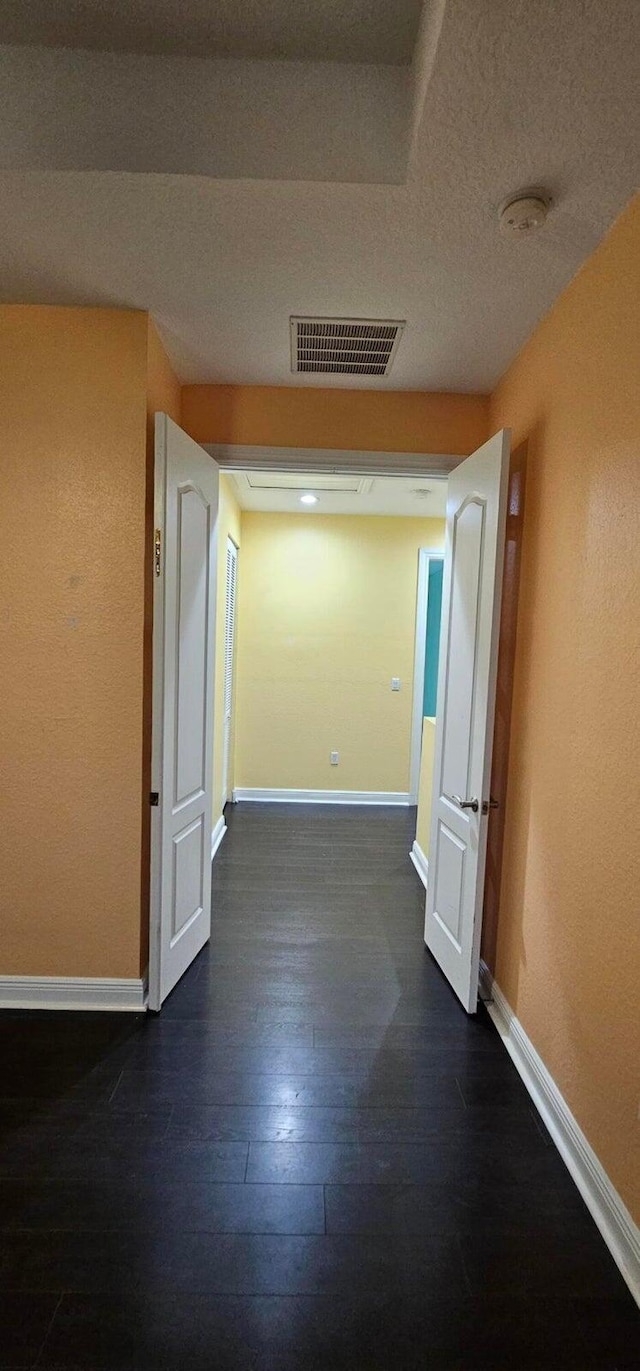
pixel 345 347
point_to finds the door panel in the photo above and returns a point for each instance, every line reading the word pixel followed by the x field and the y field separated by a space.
pixel 193 630
pixel 186 508
pixel 462 646
pixel 448 877
pixel 474 554
pixel 188 864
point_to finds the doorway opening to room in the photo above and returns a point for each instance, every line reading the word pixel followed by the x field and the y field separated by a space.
pixel 338 627
pixel 303 676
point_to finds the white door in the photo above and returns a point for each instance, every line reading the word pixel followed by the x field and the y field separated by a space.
pixel 229 649
pixel 184 630
pixel 474 554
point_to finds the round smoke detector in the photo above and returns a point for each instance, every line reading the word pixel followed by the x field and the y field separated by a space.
pixel 524 213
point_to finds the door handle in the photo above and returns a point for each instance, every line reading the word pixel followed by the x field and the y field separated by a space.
pixel 466 804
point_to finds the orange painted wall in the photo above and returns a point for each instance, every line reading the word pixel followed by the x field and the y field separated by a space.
pixel 163 387
pixel 72 534
pixel 568 948
pixel 375 421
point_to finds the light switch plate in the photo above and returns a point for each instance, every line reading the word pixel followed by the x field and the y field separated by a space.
pixel 395 682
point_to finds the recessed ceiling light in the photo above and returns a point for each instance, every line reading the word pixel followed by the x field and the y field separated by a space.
pixel 308 499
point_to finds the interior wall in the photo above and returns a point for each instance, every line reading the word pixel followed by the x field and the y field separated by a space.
pixel 327 613
pixel 568 941
pixel 229 526
pixel 72 514
pixel 371 420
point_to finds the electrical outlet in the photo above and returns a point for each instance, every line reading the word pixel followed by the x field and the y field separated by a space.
pixel 335 758
pixel 395 682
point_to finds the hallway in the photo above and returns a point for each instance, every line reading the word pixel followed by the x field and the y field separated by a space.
pixel 311 1159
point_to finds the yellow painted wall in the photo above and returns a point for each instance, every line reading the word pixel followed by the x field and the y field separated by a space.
pixel 568 949
pixel 72 539
pixel 375 421
pixel 228 527
pixel 327 612
pixel 425 785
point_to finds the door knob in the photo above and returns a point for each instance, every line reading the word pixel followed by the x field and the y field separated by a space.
pixel 466 804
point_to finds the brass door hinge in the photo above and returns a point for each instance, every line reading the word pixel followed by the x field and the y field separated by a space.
pixel 157 551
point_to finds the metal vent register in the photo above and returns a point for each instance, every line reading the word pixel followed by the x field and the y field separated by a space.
pixel 348 347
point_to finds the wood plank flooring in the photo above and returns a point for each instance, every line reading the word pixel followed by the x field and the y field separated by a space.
pixel 312 1160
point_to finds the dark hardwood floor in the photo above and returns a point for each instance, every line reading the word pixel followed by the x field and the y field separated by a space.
pixel 311 1159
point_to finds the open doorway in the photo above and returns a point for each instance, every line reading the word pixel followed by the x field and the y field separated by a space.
pixel 332 613
pixel 325 670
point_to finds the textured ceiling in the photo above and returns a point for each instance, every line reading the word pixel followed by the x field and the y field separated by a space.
pixel 518 93
pixel 418 497
pixel 380 31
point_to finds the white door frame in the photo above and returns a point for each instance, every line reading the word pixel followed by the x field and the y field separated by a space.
pixel 234 457
pixel 227 725
pixel 425 556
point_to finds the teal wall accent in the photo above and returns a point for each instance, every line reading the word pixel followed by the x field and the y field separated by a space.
pixel 434 614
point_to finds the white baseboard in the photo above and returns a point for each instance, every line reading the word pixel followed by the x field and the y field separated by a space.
pixel 616 1225
pixel 324 797
pixel 217 834
pixel 73 992
pixel 420 862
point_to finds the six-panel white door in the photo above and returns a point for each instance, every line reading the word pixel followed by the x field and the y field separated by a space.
pixel 186 510
pixel 474 554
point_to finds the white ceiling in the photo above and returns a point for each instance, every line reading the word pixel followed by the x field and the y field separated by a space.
pixel 304 30
pixel 294 209
pixel 279 492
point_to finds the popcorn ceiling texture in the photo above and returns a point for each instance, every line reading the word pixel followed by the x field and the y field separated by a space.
pixel 518 93
pixel 304 30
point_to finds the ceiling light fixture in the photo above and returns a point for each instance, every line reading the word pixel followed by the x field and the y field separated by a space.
pixel 308 499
